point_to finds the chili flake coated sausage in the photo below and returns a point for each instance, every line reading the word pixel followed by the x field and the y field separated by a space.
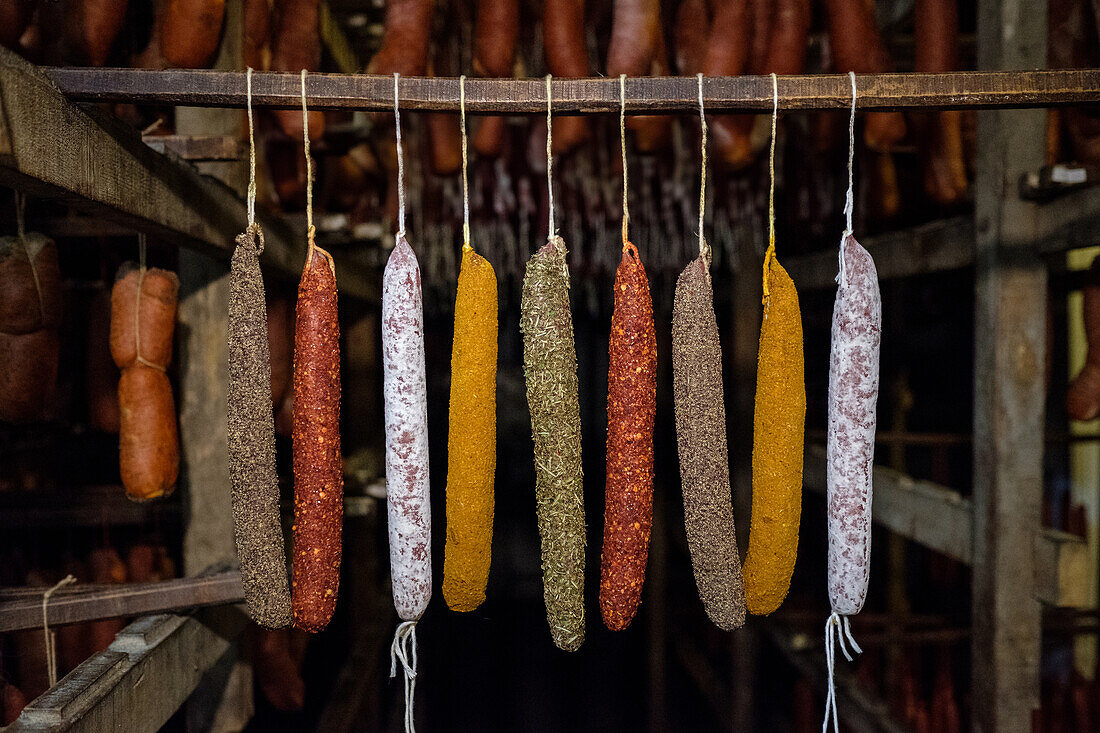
pixel 701 440
pixel 631 408
pixel 472 436
pixel 550 371
pixel 850 447
pixel 779 422
pixel 406 398
pixel 257 525
pixel 318 463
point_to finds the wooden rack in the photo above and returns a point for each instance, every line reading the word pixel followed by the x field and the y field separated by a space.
pixel 959 90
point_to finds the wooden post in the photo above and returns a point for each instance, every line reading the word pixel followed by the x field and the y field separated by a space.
pixel 1009 383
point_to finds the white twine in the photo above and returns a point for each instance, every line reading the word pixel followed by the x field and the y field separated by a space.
pixel 549 161
pixel 849 197
pixel 465 184
pixel 51 648
pixel 251 153
pixel 403 649
pixel 837 628
pixel 400 161
pixel 704 248
pixel 622 141
pixel 769 254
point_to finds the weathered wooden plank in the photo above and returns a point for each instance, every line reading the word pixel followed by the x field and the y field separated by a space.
pixel 199 147
pixel 960 90
pixel 79 603
pixel 51 148
pixel 942 520
pixel 140 680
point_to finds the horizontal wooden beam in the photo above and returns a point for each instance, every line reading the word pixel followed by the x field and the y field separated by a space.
pixel 87 602
pixel 959 90
pixel 942 520
pixel 51 148
pixel 138 682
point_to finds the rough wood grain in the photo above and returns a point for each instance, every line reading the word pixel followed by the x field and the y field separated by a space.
pixel 956 90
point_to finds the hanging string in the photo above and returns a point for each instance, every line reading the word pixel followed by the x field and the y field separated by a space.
pixel 837 629
pixel 849 197
pixel 403 649
pixel 704 248
pixel 549 161
pixel 622 141
pixel 50 636
pixel 769 254
pixel 400 161
pixel 465 185
pixel 251 153
pixel 310 231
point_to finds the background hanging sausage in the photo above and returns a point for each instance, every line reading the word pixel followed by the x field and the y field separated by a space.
pixel 143 318
pixel 191 31
pixel 254 484
pixel 701 440
pixel 496 33
pixel 1083 397
pixel 790 31
pixel 318 463
pixel 936 29
pixel 404 47
pixel 91 28
pixel 637 48
pixel 256 34
pixel 631 408
pixel 405 389
pixel 779 422
pixel 728 47
pixel 550 372
pixel 30 313
pixel 564 41
pixel 472 436
pixel 296 45
pixel 850 442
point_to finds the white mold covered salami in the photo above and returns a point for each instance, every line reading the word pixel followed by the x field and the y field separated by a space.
pixel 850 449
pixel 406 398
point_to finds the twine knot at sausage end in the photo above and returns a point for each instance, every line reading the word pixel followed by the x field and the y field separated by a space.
pixel 837 628
pixel 403 649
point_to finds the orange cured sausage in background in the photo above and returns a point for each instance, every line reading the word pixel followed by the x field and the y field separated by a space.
pixel 495 35
pixel 143 316
pixel 936 27
pixel 191 31
pixel 296 45
pixel 727 54
pixel 318 463
pixel 637 48
pixel 405 41
pixel 256 34
pixel 564 36
pixel 631 409
pixel 790 33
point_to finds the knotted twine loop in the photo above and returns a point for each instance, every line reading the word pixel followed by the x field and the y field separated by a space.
pixel 403 649
pixel 837 628
pixel 704 248
pixel 622 142
pixel 769 254
pixel 549 162
pixel 400 160
pixel 50 636
pixel 849 197
pixel 21 233
pixel 137 308
pixel 466 247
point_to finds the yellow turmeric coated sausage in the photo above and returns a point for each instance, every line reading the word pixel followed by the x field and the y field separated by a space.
pixel 471 443
pixel 777 444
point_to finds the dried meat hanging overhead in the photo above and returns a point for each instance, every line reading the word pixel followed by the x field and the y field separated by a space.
pixel 779 424
pixel 701 430
pixel 406 406
pixel 850 441
pixel 318 463
pixel 257 525
pixel 472 429
pixel 550 370
pixel 631 407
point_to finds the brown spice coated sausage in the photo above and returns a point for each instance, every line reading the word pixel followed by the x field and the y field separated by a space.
pixel 148 445
pixel 256 34
pixel 156 317
pixel 318 464
pixel 936 27
pixel 631 408
pixel 28 373
pixel 191 31
pixel 405 41
pixel 296 45
pixel 564 37
pixel 28 267
pixel 857 46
